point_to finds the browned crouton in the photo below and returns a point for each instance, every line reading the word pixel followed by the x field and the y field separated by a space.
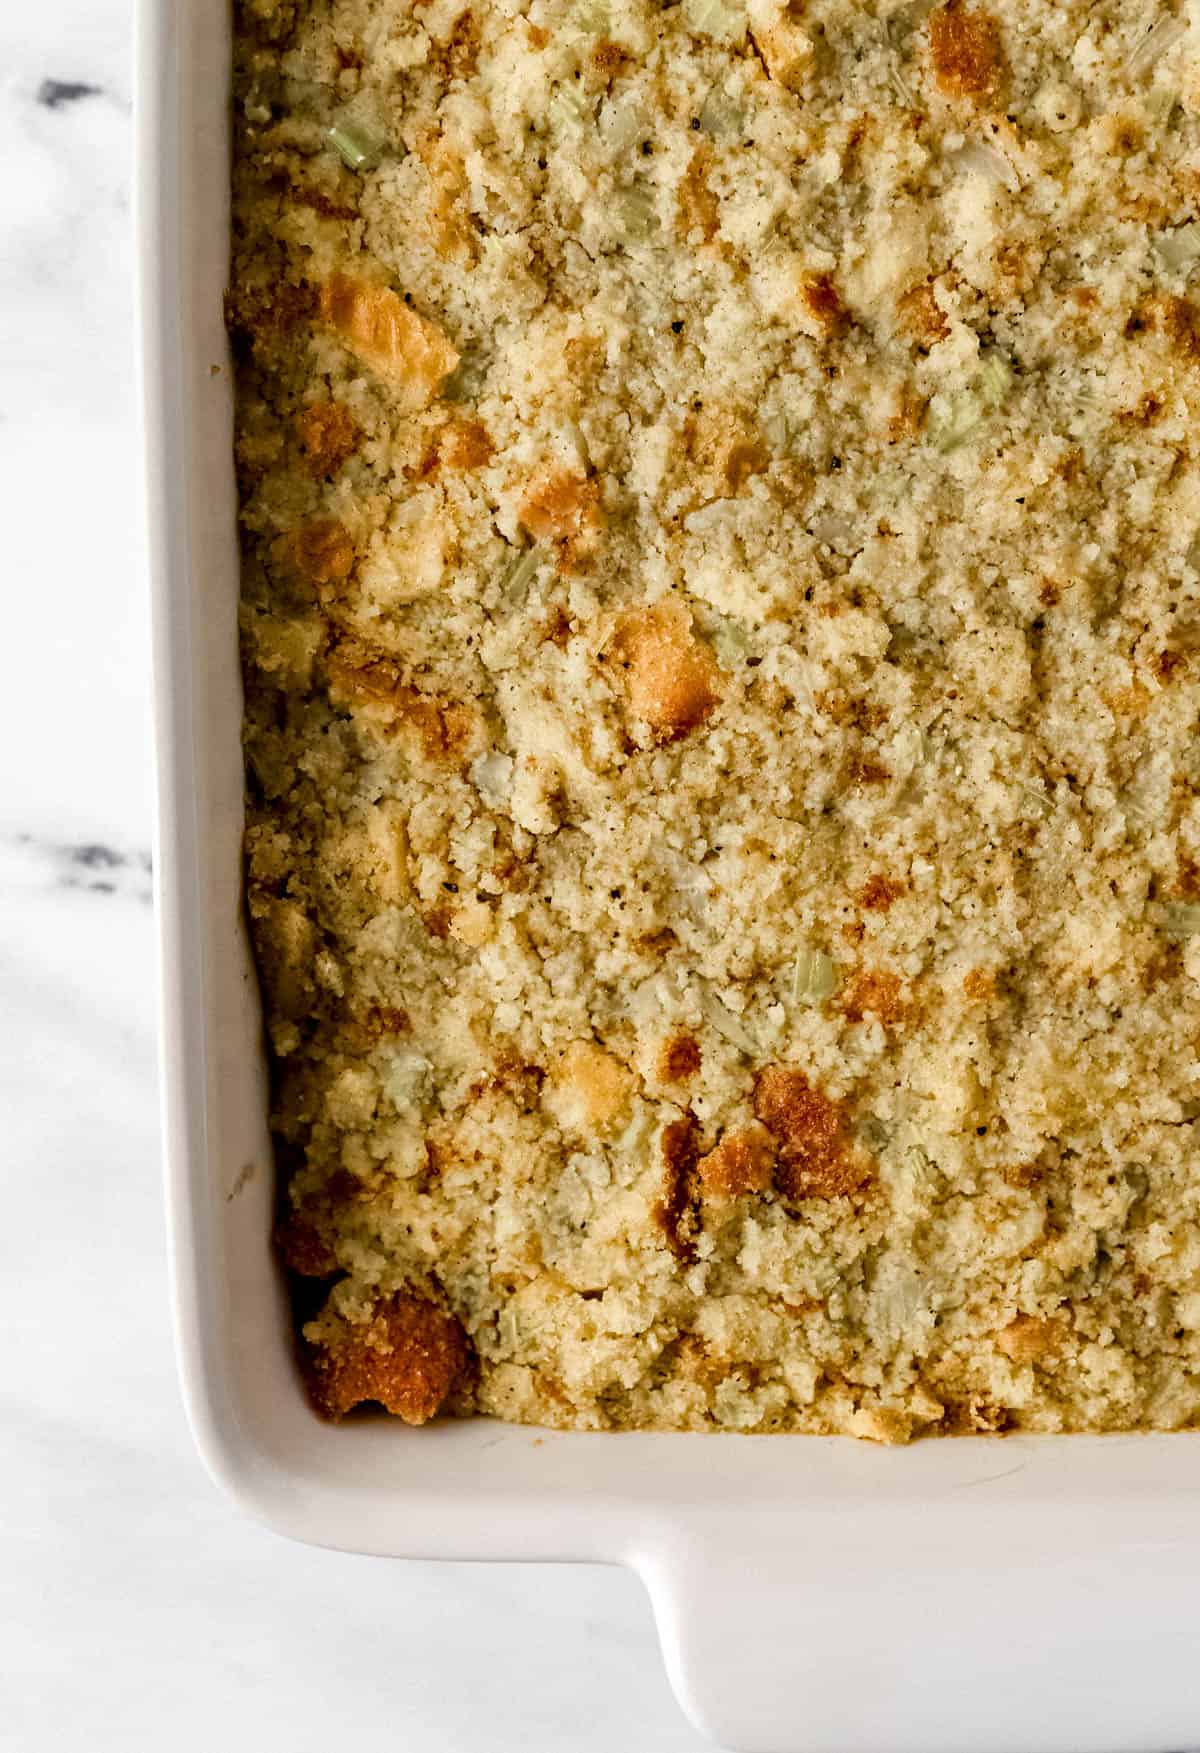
pixel 406 1356
pixel 671 675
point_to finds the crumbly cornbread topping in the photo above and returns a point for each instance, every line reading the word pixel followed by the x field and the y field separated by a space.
pixel 721 618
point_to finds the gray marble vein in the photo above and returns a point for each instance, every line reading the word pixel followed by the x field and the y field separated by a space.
pixel 89 865
pixel 56 94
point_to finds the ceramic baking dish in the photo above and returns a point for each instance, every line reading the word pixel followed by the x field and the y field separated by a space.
pixel 1032 1596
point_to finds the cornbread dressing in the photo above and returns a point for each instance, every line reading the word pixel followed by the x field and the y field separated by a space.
pixel 721 624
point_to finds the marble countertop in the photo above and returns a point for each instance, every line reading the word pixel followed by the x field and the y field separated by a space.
pixel 137 1609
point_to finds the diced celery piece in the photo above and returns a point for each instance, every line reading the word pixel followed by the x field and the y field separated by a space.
pixel 358 150
pixel 1179 249
pixel 1181 920
pixel 814 977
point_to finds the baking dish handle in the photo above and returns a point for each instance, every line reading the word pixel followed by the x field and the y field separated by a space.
pixel 759 1656
pixel 851 1634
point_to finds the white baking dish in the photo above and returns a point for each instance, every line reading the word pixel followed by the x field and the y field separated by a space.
pixel 1029 1596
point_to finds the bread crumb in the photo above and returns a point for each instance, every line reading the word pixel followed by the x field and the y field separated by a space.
pixel 329 436
pixel 1031 1338
pixel 588 1089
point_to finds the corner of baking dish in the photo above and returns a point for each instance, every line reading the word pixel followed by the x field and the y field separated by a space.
pixel 811 1593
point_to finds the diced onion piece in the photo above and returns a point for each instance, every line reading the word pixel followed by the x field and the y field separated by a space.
pixel 1040 804
pixel 777 433
pixel 836 531
pixel 900 86
pixel 905 19
pixel 357 149
pixel 727 1025
pixel 707 518
pixel 814 977
pixel 1181 920
pixel 491 775
pixel 720 116
pixel 620 123
pixel 722 20
pixel 1155 44
pixel 954 417
pixel 634 212
pixel 897 31
pixel 983 160
pixel 1179 249
pixel 691 883
pixel 874 1134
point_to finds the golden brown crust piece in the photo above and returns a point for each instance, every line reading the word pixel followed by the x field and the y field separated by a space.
pixel 679 1058
pixel 466 444
pixel 788 51
pixel 304 1248
pixel 920 316
pixel 443 731
pixel 878 893
pixel 816 1157
pixel 699 210
pixel 268 312
pixel 406 1356
pixel 306 1234
pixel 672 677
pixel 564 510
pixel 725 449
pixel 675 1212
pixel 743 1162
pixel 413 354
pixel 1175 318
pixel 823 303
pixel 1031 1338
pixel 589 1089
pixel 875 992
pixel 321 551
pixel 329 436
pixel 966 51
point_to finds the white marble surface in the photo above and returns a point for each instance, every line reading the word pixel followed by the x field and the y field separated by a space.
pixel 136 1608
